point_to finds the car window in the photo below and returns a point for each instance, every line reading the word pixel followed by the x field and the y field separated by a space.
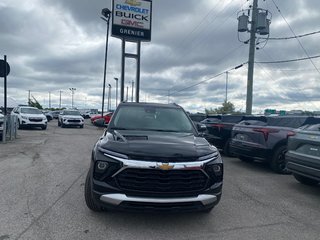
pixel 152 118
pixel 315 127
pixel 31 111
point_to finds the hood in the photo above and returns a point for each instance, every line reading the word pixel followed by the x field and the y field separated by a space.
pixel 30 115
pixel 157 146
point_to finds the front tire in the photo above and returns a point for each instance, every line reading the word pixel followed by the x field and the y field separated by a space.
pixel 88 195
pixel 226 149
pixel 59 124
pixel 44 127
pixel 305 180
pixel 278 161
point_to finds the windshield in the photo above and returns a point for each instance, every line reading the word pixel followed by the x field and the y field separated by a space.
pixel 74 113
pixel 152 118
pixel 31 111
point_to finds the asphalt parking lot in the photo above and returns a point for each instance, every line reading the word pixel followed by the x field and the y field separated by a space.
pixel 42 176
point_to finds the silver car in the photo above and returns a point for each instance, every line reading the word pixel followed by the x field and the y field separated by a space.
pixel 303 156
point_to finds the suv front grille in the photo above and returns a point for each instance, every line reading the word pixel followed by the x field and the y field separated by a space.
pixel 35 119
pixel 156 181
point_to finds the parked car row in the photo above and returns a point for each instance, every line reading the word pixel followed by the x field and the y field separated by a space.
pixel 287 143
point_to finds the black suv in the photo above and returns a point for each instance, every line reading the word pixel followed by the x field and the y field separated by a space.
pixel 151 157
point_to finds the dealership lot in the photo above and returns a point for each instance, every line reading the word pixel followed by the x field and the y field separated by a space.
pixel 42 174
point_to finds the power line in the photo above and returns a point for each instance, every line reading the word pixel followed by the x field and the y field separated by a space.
pixel 205 80
pixel 305 51
pixel 291 60
pixel 286 38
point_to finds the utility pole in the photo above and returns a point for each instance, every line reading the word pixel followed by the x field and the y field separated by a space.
pixel 251 57
pixel 49 99
pixel 227 86
pixel 132 86
pixel 60 100
pixel 259 24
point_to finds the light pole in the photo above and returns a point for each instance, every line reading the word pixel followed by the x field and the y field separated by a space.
pixel 116 91
pixel 127 93
pixel 72 93
pixel 132 86
pixel 106 17
pixel 109 97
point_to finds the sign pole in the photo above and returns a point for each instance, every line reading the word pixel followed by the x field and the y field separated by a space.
pixel 138 71
pixel 123 46
pixel 5 85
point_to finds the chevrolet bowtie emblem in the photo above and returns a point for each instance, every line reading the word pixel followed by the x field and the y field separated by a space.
pixel 165 166
pixel 133 2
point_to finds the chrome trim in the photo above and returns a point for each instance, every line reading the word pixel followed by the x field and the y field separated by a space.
pixel 117 198
pixel 156 165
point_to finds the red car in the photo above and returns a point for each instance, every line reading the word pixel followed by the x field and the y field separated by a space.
pixel 106 117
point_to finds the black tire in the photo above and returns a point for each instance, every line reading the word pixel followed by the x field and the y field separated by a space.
pixel 44 127
pixel 81 126
pixel 88 195
pixel 278 161
pixel 59 124
pixel 226 149
pixel 19 125
pixel 246 159
pixel 62 125
pixel 305 180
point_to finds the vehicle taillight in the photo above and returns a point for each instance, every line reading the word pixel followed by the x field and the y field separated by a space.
pixel 217 125
pixel 290 133
pixel 265 132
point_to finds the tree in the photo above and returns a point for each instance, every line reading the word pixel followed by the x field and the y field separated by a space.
pixel 227 107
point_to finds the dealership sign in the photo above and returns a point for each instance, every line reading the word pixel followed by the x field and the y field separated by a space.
pixel 131 19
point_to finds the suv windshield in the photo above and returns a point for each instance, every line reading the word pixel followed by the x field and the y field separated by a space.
pixel 30 111
pixel 152 118
pixel 74 113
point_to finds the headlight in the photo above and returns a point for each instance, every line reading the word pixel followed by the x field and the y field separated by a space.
pixel 214 171
pixel 24 117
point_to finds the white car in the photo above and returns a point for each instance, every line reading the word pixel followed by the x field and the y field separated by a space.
pixel 70 118
pixel 30 117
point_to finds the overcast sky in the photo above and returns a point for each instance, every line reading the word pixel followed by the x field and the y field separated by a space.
pixel 54 45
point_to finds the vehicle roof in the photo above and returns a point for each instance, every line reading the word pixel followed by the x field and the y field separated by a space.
pixel 173 105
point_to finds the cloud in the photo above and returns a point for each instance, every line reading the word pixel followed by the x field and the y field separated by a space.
pixel 57 44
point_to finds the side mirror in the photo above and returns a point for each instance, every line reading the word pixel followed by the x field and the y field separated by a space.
pixel 201 127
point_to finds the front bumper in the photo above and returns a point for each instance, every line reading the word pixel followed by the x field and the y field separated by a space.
pixel 153 189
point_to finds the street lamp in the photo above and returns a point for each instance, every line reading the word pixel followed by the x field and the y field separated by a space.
pixel 132 86
pixel 109 97
pixel 116 91
pixel 72 93
pixel 106 17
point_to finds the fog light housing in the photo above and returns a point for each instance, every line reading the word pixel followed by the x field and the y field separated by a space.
pixel 102 166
